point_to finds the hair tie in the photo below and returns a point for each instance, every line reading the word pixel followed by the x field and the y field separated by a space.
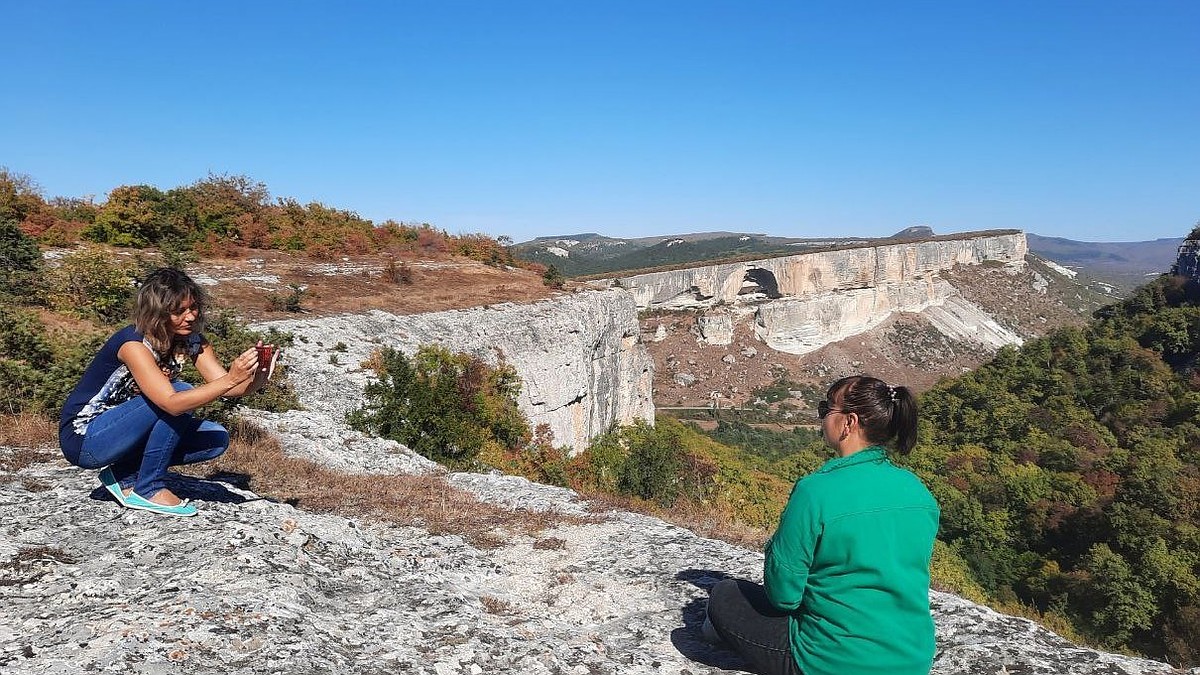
pixel 892 394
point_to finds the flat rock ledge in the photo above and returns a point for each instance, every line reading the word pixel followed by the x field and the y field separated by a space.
pixel 255 586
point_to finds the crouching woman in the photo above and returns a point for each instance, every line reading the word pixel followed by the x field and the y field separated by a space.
pixel 846 576
pixel 130 413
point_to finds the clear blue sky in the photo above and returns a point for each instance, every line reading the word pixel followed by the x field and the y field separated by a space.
pixel 1073 119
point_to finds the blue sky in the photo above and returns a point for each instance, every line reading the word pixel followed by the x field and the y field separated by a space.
pixel 1072 119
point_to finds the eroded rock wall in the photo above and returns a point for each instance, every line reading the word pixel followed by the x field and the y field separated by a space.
pixel 805 301
pixel 581 364
pixel 1187 263
pixel 799 326
pixel 810 274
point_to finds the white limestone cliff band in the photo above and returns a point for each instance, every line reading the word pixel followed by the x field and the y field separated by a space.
pixel 581 364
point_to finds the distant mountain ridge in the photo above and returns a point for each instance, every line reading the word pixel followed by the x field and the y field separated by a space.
pixel 1124 265
pixel 591 253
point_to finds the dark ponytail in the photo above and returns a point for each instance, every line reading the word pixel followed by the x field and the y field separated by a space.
pixel 883 411
pixel 904 419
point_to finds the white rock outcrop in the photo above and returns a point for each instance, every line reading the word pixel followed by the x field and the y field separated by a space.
pixel 716 328
pixel 582 366
pixel 807 275
pixel 1187 261
pixel 799 326
pixel 803 302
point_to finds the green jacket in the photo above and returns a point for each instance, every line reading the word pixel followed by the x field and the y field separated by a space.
pixel 850 563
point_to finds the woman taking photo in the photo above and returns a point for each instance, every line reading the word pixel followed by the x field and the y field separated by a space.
pixel 130 412
pixel 846 576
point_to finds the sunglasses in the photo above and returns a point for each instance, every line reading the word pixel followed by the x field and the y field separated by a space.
pixel 823 409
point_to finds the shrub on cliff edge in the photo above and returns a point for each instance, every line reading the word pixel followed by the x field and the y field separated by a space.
pixel 447 406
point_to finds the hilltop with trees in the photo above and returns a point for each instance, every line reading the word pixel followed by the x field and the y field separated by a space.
pixel 221 213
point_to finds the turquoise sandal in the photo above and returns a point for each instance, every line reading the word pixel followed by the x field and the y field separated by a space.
pixel 135 501
pixel 110 483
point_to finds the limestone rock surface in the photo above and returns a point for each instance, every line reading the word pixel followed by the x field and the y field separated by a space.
pixel 1187 263
pixel 579 357
pixel 253 586
pixel 813 274
pixel 803 302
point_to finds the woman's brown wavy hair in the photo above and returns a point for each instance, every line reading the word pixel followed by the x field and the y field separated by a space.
pixel 162 292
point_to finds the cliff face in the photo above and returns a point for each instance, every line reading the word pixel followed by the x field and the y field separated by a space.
pixel 809 274
pixel 1187 263
pixel 808 300
pixel 581 364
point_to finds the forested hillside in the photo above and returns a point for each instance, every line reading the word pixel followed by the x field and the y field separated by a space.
pixel 1069 472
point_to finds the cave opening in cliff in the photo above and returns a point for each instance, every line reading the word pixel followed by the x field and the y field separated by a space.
pixel 761 281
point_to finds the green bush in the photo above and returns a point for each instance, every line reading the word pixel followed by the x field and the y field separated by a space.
pixel 38 368
pixel 20 262
pixel 448 407
pixel 289 302
pixel 92 283
pixel 652 468
pixel 134 215
pixel 638 460
pixel 553 278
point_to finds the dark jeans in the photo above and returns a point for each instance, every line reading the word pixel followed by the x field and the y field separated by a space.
pixel 745 619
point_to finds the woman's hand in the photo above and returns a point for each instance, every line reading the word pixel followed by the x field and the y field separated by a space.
pixel 243 366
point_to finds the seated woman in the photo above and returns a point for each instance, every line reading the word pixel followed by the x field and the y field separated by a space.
pixel 846 576
pixel 130 412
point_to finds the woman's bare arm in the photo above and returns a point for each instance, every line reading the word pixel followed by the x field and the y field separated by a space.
pixel 158 389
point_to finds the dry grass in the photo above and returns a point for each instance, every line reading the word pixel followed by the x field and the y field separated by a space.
pixel 688 515
pixel 429 502
pixel 419 285
pixel 494 605
pixel 28 430
pixel 550 544
pixel 20 458
pixel 22 567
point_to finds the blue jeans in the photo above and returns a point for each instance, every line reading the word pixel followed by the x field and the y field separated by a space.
pixel 140 441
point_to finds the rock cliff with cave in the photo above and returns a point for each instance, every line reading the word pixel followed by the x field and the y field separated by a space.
pixel 801 302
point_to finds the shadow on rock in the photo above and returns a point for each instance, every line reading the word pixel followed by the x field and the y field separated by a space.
pixel 687 640
pixel 703 579
pixel 187 487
